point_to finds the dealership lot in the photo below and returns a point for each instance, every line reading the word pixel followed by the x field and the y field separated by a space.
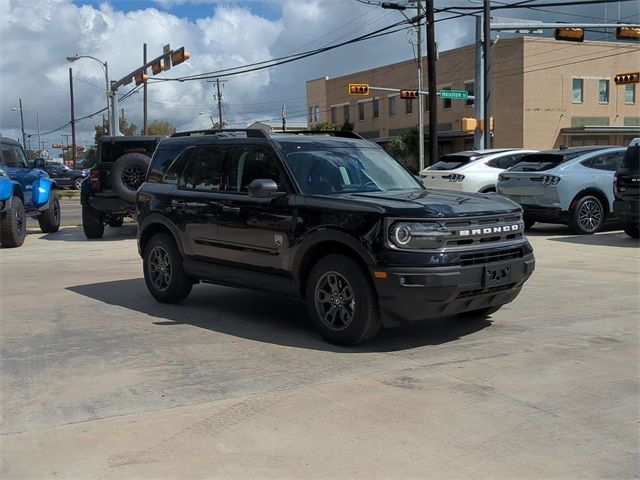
pixel 100 381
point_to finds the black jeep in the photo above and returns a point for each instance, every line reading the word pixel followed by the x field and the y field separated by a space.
pixel 331 218
pixel 109 194
pixel 626 190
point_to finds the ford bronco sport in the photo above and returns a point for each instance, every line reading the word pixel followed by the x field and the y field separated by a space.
pixel 331 218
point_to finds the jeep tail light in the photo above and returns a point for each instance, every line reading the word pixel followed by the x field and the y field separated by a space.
pixel 95 179
pixel 616 188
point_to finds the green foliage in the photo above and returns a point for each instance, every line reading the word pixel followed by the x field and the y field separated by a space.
pixel 33 154
pixel 160 128
pixel 406 145
pixel 323 127
pixel 127 128
pixel 347 126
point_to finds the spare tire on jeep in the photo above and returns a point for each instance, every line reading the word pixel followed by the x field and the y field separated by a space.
pixel 128 174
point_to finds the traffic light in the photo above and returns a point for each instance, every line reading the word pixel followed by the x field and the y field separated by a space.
pixel 408 94
pixel 572 34
pixel 179 56
pixel 481 125
pixel 358 89
pixel 140 78
pixel 623 78
pixel 468 124
pixel 157 67
pixel 56 145
pixel 628 33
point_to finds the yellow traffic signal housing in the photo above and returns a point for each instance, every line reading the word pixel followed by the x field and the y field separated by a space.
pixel 408 94
pixel 140 78
pixel 573 34
pixel 179 56
pixel 628 33
pixel 468 124
pixel 622 78
pixel 481 124
pixel 157 67
pixel 358 89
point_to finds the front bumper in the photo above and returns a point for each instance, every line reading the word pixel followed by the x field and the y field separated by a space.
pixel 417 293
pixel 627 210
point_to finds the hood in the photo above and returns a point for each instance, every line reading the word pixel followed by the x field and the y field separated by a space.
pixel 438 203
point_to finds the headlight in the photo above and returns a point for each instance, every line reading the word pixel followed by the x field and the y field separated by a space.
pixel 417 235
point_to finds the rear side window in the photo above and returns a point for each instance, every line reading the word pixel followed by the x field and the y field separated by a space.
pixel 204 170
pixel 160 163
pixel 608 162
pixel 250 163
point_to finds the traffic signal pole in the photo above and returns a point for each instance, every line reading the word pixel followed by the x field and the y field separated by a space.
pixel 431 75
pixel 486 94
pixel 478 136
pixel 420 97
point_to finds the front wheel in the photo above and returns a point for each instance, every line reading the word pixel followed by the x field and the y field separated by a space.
pixel 163 272
pixel 587 216
pixel 92 223
pixel 77 183
pixel 13 224
pixel 632 229
pixel 49 220
pixel 341 301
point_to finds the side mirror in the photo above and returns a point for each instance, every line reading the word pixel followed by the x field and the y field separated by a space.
pixel 264 188
pixel 38 163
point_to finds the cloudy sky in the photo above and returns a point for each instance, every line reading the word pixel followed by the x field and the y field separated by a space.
pixel 37 35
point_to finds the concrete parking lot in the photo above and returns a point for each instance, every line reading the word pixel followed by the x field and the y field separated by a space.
pixel 98 380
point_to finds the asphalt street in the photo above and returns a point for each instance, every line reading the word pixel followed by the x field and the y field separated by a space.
pixel 97 380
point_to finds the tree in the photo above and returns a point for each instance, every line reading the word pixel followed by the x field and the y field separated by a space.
pixel 160 128
pixel 406 147
pixel 100 132
pixel 347 126
pixel 323 127
pixel 127 128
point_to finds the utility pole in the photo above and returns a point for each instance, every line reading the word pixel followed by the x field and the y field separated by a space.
pixel 478 136
pixel 432 88
pixel 144 91
pixel 487 74
pixel 73 121
pixel 219 103
pixel 420 97
pixel 24 137
pixel 284 115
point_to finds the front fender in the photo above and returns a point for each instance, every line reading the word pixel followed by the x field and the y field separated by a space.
pixel 6 188
pixel 41 190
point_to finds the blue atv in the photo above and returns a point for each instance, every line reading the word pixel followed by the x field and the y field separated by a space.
pixel 24 192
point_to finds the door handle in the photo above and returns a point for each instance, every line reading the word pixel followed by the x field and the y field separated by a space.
pixel 178 203
pixel 231 210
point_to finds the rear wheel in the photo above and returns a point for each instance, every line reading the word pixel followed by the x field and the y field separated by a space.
pixel 587 216
pixel 77 183
pixel 128 174
pixel 341 301
pixel 92 223
pixel 13 224
pixel 632 229
pixel 49 220
pixel 163 272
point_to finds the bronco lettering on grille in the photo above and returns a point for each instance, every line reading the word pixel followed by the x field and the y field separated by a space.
pixel 489 230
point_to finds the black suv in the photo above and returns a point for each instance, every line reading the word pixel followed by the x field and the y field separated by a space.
pixel 64 176
pixel 109 196
pixel 626 190
pixel 335 220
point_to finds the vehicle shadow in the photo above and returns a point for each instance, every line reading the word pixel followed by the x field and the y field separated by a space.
pixel 268 318
pixel 612 239
pixel 75 234
pixel 547 229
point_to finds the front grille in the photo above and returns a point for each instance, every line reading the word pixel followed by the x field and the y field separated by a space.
pixel 484 258
pixel 484 230
pixel 483 291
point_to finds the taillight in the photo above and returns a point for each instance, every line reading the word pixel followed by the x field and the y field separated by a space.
pixel 616 187
pixel 94 175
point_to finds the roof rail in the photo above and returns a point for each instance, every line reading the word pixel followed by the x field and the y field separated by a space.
pixel 334 133
pixel 250 132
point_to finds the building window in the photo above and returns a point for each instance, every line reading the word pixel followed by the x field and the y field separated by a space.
pixel 470 87
pixel 408 106
pixel 334 115
pixel 392 106
pixel 316 113
pixel 361 111
pixel 603 91
pixel 310 114
pixel 345 113
pixel 446 102
pixel 376 108
pixel 630 94
pixel 577 84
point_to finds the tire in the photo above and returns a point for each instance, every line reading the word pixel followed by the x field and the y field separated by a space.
pixel 116 222
pixel 528 223
pixel 92 223
pixel 163 273
pixel 128 174
pixel 632 229
pixel 331 279
pixel 13 224
pixel 587 217
pixel 77 183
pixel 481 312
pixel 49 220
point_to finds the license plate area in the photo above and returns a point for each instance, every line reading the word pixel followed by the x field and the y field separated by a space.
pixel 497 275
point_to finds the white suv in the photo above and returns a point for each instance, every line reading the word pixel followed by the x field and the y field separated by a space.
pixel 471 171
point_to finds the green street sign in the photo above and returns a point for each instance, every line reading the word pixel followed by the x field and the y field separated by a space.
pixel 454 94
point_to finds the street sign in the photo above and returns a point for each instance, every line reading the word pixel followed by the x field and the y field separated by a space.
pixel 461 94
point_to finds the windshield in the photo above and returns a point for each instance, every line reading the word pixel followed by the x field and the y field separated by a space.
pixel 347 169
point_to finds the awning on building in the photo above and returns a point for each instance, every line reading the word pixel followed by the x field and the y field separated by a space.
pixel 601 130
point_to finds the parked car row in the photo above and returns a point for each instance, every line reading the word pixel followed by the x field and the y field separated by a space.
pixel 571 186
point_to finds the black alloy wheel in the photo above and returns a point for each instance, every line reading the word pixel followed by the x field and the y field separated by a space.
pixel 13 224
pixel 163 272
pixel 335 302
pixel 588 216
